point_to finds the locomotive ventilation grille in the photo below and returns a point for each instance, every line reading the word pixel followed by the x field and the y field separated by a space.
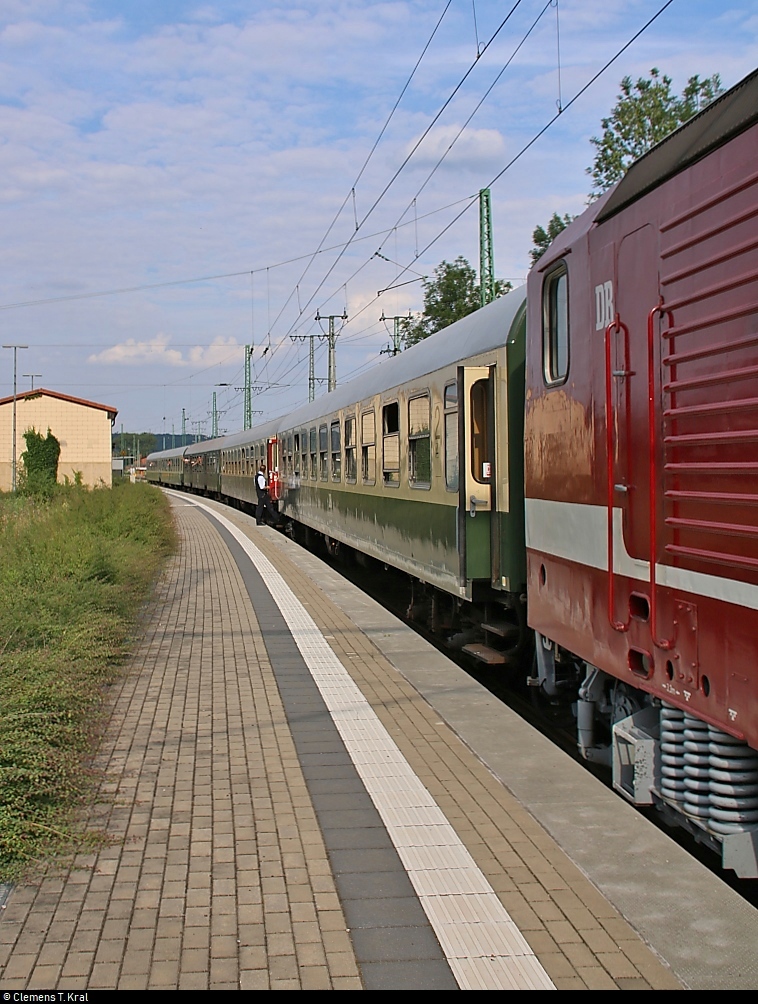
pixel 710 775
pixel 709 366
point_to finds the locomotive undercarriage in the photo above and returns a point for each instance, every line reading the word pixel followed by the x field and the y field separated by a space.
pixel 698 776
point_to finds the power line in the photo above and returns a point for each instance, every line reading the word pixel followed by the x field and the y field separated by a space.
pixel 434 121
pixel 555 117
pixel 524 149
pixel 402 166
pixel 437 165
pixel 475 110
pixel 454 141
pixel 209 278
pixel 360 173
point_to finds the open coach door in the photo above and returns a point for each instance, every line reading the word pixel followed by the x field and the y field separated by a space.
pixel 476 436
pixel 272 462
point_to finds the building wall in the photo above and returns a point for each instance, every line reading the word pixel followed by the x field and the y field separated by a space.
pixel 83 432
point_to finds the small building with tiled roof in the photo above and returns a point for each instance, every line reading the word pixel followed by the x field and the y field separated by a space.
pixel 83 428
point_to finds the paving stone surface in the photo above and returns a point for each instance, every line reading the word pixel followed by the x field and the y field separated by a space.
pixel 220 872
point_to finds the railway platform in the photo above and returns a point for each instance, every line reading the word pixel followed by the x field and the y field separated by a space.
pixel 300 793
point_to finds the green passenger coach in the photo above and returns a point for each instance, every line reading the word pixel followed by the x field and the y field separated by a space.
pixel 417 464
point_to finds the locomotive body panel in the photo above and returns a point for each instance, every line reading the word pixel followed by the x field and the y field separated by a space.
pixel 643 561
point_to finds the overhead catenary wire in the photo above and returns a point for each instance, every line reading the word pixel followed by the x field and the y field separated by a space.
pixel 412 203
pixel 351 192
pixel 555 117
pixel 530 143
pixel 473 198
pixel 142 287
pixel 402 166
pixel 476 108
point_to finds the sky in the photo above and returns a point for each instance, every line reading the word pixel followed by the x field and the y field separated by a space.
pixel 179 180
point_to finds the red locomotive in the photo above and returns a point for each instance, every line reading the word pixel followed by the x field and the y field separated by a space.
pixel 641 445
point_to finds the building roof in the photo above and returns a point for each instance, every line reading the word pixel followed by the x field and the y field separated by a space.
pixel 40 391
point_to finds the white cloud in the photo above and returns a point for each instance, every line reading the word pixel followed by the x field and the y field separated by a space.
pixel 473 149
pixel 157 352
pixel 221 350
pixel 154 352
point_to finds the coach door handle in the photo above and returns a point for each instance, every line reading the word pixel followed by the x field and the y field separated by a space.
pixel 474 503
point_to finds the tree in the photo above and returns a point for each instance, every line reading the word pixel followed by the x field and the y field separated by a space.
pixel 450 295
pixel 544 238
pixel 40 460
pixel 644 114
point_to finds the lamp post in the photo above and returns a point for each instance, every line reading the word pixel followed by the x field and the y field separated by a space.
pixel 15 353
pixel 32 375
pixel 214 420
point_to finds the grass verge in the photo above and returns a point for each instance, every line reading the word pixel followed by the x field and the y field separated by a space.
pixel 74 571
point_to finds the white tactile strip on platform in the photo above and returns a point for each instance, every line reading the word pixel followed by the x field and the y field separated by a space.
pixel 483 946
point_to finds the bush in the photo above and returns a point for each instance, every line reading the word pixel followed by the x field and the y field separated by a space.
pixel 39 473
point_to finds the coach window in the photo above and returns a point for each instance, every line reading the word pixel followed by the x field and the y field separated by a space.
pixel 451 437
pixel 391 444
pixel 555 325
pixel 419 442
pixel 368 447
pixel 314 453
pixel 350 463
pixel 481 461
pixel 323 449
pixel 303 453
pixel 336 447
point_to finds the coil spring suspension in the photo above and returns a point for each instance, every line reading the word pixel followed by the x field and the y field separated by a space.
pixel 710 774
